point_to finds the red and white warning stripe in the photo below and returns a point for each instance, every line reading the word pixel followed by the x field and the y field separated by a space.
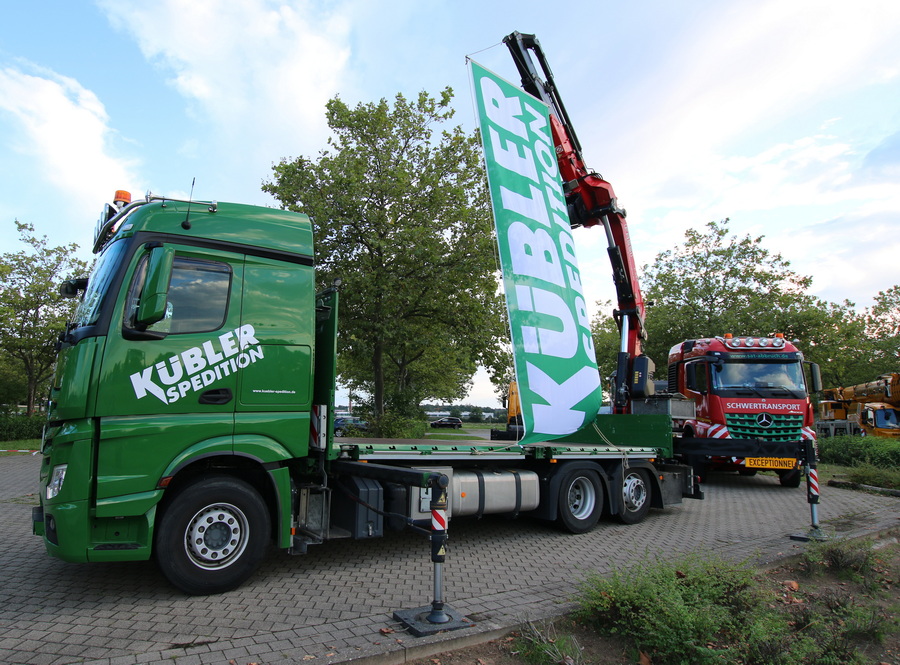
pixel 812 482
pixel 807 434
pixel 718 432
pixel 317 422
pixel 438 520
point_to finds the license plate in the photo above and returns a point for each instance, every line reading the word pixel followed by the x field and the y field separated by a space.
pixel 770 463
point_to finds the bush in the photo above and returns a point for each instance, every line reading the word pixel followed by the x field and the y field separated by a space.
pixel 850 559
pixel 676 610
pixel 392 426
pixel 857 450
pixel 14 427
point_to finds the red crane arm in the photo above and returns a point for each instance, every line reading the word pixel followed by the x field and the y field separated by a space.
pixel 590 200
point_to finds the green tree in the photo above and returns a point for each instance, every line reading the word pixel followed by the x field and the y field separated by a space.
pixel 402 219
pixel 883 327
pixel 13 385
pixel 502 374
pixel 717 283
pixel 606 341
pixel 32 313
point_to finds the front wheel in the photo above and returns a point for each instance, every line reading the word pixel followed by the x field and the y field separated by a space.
pixel 790 478
pixel 212 535
pixel 580 501
pixel 635 496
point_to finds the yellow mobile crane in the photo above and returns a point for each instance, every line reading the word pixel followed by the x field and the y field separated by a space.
pixel 871 408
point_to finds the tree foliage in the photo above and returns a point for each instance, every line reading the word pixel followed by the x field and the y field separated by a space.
pixel 32 313
pixel 883 328
pixel 717 283
pixel 401 216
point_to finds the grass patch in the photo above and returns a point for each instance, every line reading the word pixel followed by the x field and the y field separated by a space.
pixel 851 560
pixel 542 644
pixel 19 444
pixel 708 610
pixel 868 474
pixel 459 434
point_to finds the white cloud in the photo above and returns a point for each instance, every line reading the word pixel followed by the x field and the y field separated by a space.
pixel 260 71
pixel 732 124
pixel 62 130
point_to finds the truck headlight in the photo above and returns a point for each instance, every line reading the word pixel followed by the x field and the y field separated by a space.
pixel 56 480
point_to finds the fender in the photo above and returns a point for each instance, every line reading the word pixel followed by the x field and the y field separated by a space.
pixel 248 453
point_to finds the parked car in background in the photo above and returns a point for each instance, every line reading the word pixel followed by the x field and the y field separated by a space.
pixel 349 425
pixel 454 423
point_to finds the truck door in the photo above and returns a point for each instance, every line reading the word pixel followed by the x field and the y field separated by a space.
pixel 170 384
pixel 697 386
pixel 275 387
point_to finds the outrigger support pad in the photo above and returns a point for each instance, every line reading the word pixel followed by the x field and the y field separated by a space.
pixel 810 456
pixel 438 616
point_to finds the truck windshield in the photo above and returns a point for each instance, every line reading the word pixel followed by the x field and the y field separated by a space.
pixel 887 418
pixel 88 310
pixel 759 376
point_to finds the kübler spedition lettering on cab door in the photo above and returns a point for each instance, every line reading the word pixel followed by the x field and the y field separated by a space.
pixel 198 366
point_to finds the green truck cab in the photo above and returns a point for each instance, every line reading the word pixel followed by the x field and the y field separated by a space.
pixel 191 353
pixel 190 416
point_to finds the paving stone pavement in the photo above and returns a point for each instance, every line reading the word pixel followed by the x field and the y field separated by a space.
pixel 332 604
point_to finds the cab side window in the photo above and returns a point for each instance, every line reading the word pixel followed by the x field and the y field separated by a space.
pixel 197 299
pixel 697 377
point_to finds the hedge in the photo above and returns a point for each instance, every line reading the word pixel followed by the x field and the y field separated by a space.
pixel 15 427
pixel 856 450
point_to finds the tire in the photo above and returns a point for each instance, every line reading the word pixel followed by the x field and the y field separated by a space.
pixel 339 432
pixel 790 478
pixel 458 426
pixel 580 501
pixel 635 496
pixel 212 535
pixel 747 472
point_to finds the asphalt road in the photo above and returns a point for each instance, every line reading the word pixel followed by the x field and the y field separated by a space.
pixel 336 603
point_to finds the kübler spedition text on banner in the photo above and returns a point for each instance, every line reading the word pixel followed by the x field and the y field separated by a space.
pixel 556 369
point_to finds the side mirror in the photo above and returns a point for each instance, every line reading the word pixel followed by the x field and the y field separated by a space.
pixel 152 304
pixel 815 378
pixel 72 287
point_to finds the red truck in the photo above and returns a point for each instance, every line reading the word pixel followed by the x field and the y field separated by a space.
pixel 752 405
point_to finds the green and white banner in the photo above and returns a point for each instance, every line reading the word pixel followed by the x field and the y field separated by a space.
pixel 556 369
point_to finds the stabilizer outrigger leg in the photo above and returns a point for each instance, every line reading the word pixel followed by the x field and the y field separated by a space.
pixel 815 532
pixel 438 616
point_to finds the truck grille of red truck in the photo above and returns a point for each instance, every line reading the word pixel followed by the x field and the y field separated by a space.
pixel 773 427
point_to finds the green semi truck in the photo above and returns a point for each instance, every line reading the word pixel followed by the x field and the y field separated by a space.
pixel 191 414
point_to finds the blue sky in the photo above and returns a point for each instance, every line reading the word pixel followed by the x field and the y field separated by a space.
pixel 783 115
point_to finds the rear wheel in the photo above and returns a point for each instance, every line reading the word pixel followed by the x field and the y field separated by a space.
pixel 212 535
pixel 580 501
pixel 748 472
pixel 635 496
